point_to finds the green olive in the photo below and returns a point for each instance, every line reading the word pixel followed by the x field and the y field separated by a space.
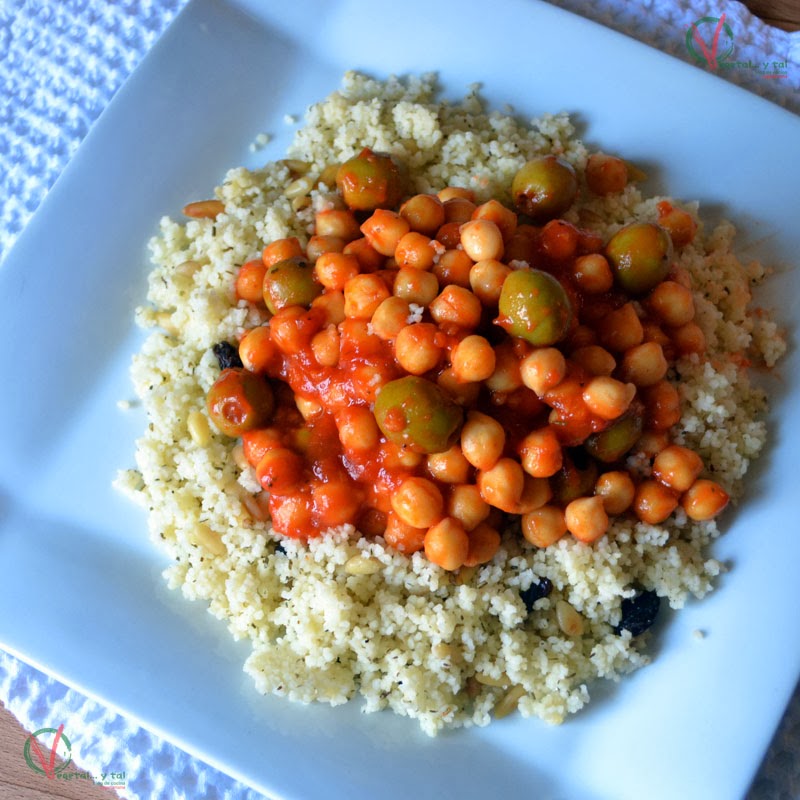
pixel 576 478
pixel 415 413
pixel 290 283
pixel 544 188
pixel 640 256
pixel 534 306
pixel 240 401
pixel 618 438
pixel 369 181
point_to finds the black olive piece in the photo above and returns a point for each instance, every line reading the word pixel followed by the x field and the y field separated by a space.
pixel 639 613
pixel 227 355
pixel 536 591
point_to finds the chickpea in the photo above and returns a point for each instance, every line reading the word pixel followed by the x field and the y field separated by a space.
pixel 677 467
pixel 450 235
pixel 369 259
pixel 586 518
pixel 362 296
pixel 482 239
pixel 662 406
pixel 542 369
pixel 651 443
pixel 424 213
pixel 250 281
pixel 418 502
pixel 465 394
pixel 447 544
pixel 257 351
pixel 541 453
pixel 621 329
pixel 473 359
pixel 457 306
pixel 486 279
pixel 331 304
pixel 616 489
pixel 292 329
pixel 654 502
pixel 607 397
pixel 506 376
pixel 482 440
pixel 357 428
pixel 465 504
pixel 458 210
pixel 417 347
pixel 594 359
pixel 544 526
pixel 319 245
pixel 535 493
pixel 449 192
pixel 333 270
pixel 484 542
pixel 325 346
pixel 337 222
pixel 688 338
pixel 384 229
pixel 416 286
pixel 502 485
pixel 559 239
pixel 504 218
pixel 644 364
pixel 606 174
pixel 280 470
pixel 282 250
pixel 678 223
pixel 403 537
pixel 335 502
pixel 592 273
pixel 390 317
pixel 449 466
pixel 453 266
pixel 672 303
pixel 704 500
pixel 417 250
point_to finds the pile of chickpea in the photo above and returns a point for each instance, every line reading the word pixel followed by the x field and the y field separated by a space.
pixel 431 365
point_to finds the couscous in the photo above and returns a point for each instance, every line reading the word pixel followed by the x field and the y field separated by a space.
pixel 471 578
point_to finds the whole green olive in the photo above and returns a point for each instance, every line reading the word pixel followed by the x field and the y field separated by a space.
pixel 544 187
pixel 534 306
pixel 369 181
pixel 415 413
pixel 240 401
pixel 640 255
pixel 289 283
pixel 618 438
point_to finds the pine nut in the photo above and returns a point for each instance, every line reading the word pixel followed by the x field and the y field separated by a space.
pixel 199 429
pixel 204 209
pixel 209 540
pixel 569 620
pixel 298 188
pixel 362 565
pixel 296 166
pixel 164 321
pixel 487 680
pixel 509 701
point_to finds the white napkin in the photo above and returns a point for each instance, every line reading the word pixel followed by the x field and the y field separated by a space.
pixel 61 64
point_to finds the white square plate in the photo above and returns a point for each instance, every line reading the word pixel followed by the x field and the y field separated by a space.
pixel 82 595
